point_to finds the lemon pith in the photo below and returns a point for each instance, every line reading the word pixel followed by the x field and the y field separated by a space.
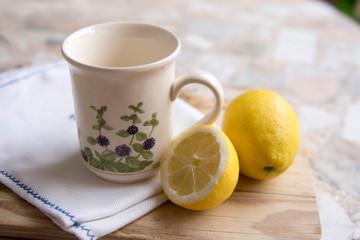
pixel 200 169
pixel 264 129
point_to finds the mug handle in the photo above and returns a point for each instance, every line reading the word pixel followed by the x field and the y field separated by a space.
pixel 208 80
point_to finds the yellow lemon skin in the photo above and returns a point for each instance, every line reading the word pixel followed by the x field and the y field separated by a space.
pixel 226 185
pixel 225 172
pixel 265 131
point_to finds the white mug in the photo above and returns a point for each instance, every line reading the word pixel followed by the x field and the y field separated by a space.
pixel 123 82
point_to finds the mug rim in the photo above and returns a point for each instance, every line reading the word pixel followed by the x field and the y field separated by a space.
pixel 143 67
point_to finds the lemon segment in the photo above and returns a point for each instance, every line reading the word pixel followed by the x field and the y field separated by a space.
pixel 200 169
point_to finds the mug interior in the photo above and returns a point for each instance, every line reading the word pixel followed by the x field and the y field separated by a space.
pixel 120 45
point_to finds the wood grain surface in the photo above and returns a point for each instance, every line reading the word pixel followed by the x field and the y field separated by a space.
pixel 281 208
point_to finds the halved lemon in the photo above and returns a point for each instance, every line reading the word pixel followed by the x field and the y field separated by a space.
pixel 200 169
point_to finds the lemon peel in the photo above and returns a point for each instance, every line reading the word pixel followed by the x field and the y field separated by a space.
pixel 200 169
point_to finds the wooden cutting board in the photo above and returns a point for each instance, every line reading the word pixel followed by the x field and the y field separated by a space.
pixel 281 208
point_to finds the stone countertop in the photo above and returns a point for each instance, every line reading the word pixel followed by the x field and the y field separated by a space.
pixel 305 50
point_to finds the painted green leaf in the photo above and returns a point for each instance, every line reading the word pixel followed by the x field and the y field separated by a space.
pixel 132 161
pixel 96 127
pixel 153 115
pixel 125 118
pixel 135 119
pixel 103 164
pixel 99 156
pixel 109 155
pixel 99 115
pixel 132 107
pixel 140 136
pixel 91 140
pixel 94 162
pixel 147 154
pixel 109 166
pixel 137 147
pixel 93 108
pixel 123 133
pixel 102 109
pixel 154 122
pixel 144 164
pixel 88 153
pixel 122 167
pixel 101 122
pixel 108 127
pixel 147 123
pixel 137 108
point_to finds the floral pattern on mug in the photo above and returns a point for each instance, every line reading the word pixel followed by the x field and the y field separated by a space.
pixel 133 156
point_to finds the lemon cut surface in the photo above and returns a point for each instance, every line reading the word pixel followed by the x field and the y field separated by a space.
pixel 200 169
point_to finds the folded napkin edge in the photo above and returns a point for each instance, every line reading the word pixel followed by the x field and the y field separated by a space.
pixel 24 190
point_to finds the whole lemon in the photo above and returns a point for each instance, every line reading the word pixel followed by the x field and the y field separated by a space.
pixel 265 131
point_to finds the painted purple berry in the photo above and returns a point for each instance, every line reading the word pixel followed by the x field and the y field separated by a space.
pixel 84 156
pixel 149 143
pixel 132 130
pixel 103 141
pixel 123 150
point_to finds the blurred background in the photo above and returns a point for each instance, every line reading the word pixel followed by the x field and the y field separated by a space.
pixel 349 7
pixel 306 50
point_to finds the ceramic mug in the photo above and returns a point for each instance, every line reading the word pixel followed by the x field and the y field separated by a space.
pixel 123 88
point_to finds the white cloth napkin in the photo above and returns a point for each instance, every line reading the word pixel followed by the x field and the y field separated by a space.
pixel 40 160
